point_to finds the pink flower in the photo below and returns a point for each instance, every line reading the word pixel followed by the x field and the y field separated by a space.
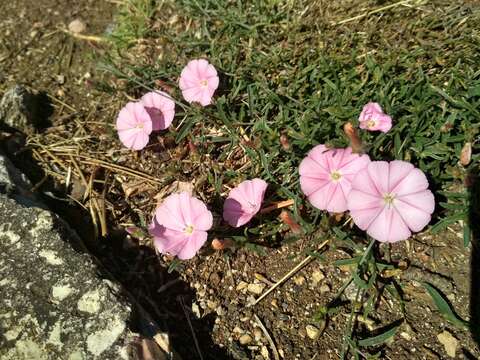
pixel 198 82
pixel 134 125
pixel 244 202
pixel 180 225
pixel 326 176
pixel 390 200
pixel 373 118
pixel 160 107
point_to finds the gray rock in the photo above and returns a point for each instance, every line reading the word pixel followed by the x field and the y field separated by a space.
pixel 54 304
pixel 23 110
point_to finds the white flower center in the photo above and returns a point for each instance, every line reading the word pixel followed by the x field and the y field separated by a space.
pixel 204 83
pixel 335 176
pixel 371 124
pixel 388 198
pixel 189 230
pixel 139 126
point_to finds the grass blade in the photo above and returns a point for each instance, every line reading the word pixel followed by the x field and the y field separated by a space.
pixel 444 307
pixel 379 339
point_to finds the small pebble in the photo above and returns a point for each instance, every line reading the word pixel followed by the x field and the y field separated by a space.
pixel 220 311
pixel 449 342
pixel 324 289
pixel 241 285
pixel 237 330
pixel 245 339
pixel 299 280
pixel 312 332
pixel 212 304
pixel 317 276
pixel 77 26
pixel 256 289
pixel 257 333
pixel 264 352
pixel 196 310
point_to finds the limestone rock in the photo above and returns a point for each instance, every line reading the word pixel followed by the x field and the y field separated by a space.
pixel 54 303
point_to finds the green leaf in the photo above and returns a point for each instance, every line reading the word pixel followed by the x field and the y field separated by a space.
pixel 444 307
pixel 379 339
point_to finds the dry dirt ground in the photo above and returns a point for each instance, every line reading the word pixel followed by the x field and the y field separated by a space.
pixel 209 297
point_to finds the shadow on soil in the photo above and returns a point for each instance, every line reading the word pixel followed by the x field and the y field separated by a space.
pixel 474 222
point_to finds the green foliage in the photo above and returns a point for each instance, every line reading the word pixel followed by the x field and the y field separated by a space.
pixel 286 72
pixel 380 338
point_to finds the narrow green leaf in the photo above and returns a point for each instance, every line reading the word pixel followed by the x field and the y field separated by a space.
pixel 379 339
pixel 351 261
pixel 444 307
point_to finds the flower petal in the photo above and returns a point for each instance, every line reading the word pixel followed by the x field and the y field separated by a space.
pixel 414 182
pixel 194 242
pixel 416 209
pixel 379 174
pixel 388 226
pixel 337 201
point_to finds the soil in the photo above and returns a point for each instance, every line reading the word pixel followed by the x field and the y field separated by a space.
pixel 210 297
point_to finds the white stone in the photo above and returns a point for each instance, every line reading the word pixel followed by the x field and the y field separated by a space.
pixel 449 342
pixel 27 349
pixel 13 333
pixel 101 340
pixel 55 335
pixel 51 257
pixel 60 292
pixel 89 302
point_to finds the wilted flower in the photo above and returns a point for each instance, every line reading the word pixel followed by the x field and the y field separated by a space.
pixel 466 154
pixel 354 139
pixel 180 225
pixel 390 200
pixel 160 107
pixel 134 126
pixel 222 244
pixel 373 118
pixel 198 82
pixel 326 176
pixel 244 202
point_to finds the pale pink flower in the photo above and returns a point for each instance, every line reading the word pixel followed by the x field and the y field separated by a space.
pixel 326 176
pixel 180 225
pixel 373 118
pixel 198 82
pixel 134 126
pixel 390 200
pixel 244 201
pixel 160 107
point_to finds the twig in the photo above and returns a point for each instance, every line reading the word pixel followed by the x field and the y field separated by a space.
pixel 289 274
pixel 277 205
pixel 197 346
pixel 84 180
pixel 84 37
pixel 267 335
pixel 62 103
pixel 403 2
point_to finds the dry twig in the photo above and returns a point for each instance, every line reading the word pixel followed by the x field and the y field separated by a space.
pixel 267 335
